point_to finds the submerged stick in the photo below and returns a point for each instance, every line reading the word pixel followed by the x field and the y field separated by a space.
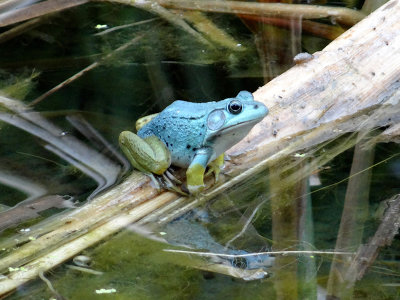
pixel 366 254
pixel 20 29
pixel 85 70
pixel 288 252
pixel 210 30
pixel 330 32
pixel 340 14
pixel 55 257
pixel 355 213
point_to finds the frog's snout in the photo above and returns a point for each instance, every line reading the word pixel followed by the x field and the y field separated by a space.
pixel 259 110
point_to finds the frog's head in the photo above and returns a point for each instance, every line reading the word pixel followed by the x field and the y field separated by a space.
pixel 232 119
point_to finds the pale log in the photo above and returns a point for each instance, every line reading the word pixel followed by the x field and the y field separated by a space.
pixel 352 84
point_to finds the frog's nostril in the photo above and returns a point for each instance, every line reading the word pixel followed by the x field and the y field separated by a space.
pixel 256 106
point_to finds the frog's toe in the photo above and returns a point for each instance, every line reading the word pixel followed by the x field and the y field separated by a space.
pixel 215 170
pixel 192 190
pixel 171 177
pixel 195 189
pixel 169 185
pixel 155 181
pixel 215 166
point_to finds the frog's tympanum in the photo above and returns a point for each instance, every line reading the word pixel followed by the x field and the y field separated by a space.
pixel 191 135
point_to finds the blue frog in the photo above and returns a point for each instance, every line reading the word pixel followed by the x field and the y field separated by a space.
pixel 191 135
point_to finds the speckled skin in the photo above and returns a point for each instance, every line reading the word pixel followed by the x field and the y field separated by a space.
pixel 192 136
pixel 183 128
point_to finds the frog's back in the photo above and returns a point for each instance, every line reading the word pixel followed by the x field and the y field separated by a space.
pixel 182 128
pixel 190 110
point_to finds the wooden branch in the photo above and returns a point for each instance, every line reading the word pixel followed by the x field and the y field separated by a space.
pixel 354 216
pixel 366 254
pixel 330 32
pixel 51 6
pixel 392 134
pixel 56 256
pixel 154 8
pixel 281 10
pixel 210 30
pixel 20 29
pixel 37 10
pixel 352 85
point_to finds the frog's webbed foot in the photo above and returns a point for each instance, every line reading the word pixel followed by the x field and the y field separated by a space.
pixel 192 191
pixel 170 181
pixel 161 182
pixel 215 166
pixel 167 181
pixel 171 177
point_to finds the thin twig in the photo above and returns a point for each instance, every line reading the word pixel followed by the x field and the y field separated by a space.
pixel 85 270
pixel 258 253
pixel 210 30
pixel 125 26
pixel 49 285
pixel 85 70
pixel 318 29
pixel 247 223
pixel 154 8
pixel 20 29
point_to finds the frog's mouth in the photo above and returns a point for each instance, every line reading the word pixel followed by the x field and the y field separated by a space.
pixel 245 126
pixel 240 125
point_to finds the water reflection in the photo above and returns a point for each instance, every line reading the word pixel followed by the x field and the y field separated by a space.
pixel 104 165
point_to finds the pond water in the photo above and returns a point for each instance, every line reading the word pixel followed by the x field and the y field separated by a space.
pixel 59 151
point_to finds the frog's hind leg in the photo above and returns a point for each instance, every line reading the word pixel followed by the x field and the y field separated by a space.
pixel 149 155
pixel 143 121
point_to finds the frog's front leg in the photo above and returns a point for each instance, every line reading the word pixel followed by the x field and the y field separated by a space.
pixel 195 172
pixel 215 166
pixel 149 155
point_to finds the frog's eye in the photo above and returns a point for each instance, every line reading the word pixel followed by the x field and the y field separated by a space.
pixel 235 107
